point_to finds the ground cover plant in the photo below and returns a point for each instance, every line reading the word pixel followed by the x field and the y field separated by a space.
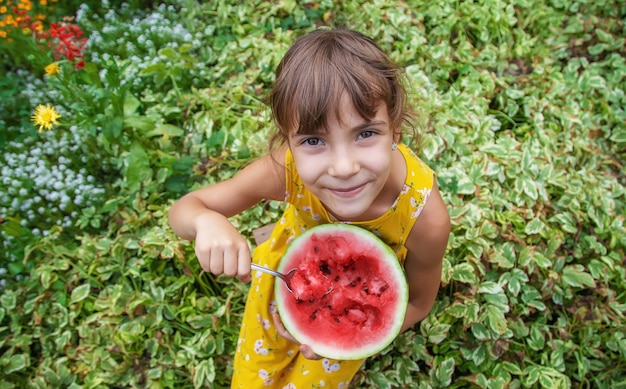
pixel 521 109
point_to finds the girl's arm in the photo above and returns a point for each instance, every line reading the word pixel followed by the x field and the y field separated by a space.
pixel 202 215
pixel 426 246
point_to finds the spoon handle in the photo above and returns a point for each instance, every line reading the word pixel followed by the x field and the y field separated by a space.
pixel 266 270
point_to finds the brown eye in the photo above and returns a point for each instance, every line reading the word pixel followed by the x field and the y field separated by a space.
pixel 366 134
pixel 312 141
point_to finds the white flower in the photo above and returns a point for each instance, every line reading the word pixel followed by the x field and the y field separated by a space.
pixel 258 347
pixel 264 322
pixel 273 307
pixel 330 367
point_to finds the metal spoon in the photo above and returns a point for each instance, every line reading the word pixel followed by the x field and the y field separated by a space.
pixel 285 277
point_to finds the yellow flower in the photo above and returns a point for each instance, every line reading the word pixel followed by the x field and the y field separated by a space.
pixel 52 69
pixel 45 116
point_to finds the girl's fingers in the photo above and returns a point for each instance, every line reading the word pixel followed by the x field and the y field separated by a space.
pixel 230 262
pixel 280 328
pixel 306 351
pixel 204 256
pixel 216 263
pixel 243 264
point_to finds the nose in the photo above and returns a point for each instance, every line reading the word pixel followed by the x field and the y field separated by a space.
pixel 343 164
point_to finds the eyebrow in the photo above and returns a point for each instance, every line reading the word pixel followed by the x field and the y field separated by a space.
pixel 369 123
pixel 356 128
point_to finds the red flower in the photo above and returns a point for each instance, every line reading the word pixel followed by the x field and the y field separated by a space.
pixel 68 42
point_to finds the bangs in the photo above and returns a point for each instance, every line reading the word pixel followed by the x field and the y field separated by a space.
pixel 322 86
pixel 316 73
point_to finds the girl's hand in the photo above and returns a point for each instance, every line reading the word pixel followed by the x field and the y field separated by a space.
pixel 220 248
pixel 304 349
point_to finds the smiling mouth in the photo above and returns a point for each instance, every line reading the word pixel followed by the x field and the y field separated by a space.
pixel 348 192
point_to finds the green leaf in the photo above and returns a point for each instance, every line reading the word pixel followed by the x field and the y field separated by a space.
pixel 472 312
pixel 139 122
pixel 536 340
pixel 464 272
pixel 495 319
pixel 546 381
pixel 200 321
pixel 597 82
pixel 514 280
pixel 446 271
pixel 480 354
pixel 576 276
pixel 457 310
pixel 535 226
pixel 168 52
pixel 131 103
pixel 11 226
pixel 112 128
pixel 80 293
pixel 8 300
pixel 490 287
pixel 137 167
pixel 480 332
pixel 529 187
pixel 532 297
pixel 443 372
pixel 541 260
pixel 168 130
pixel 204 374
pixel 531 375
pixel 152 69
pixel 525 257
pixel 465 186
pixel 378 379
pixel 566 221
pixel 434 331
pixel 15 363
pixel 512 368
pixel 504 255
pixel 497 150
pixel 618 135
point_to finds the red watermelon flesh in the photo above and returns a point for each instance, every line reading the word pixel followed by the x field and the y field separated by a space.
pixel 367 300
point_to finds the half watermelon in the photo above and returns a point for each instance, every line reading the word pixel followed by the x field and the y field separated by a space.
pixel 349 295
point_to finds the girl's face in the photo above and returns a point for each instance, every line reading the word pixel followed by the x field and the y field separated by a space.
pixel 350 167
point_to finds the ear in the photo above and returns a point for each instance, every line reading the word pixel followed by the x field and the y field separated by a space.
pixel 397 136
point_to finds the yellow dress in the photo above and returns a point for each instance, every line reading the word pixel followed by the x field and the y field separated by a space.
pixel 264 359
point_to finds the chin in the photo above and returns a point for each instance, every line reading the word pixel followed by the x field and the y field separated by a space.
pixel 347 215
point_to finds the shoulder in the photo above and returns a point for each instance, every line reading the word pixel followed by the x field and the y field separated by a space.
pixel 418 172
pixel 266 175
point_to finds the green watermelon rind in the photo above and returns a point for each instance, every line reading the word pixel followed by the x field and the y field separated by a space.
pixel 360 351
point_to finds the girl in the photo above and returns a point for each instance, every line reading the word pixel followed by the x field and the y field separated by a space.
pixel 339 105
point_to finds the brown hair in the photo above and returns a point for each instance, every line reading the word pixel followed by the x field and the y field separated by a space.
pixel 323 65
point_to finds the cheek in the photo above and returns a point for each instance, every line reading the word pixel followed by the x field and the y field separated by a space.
pixel 378 161
pixel 308 168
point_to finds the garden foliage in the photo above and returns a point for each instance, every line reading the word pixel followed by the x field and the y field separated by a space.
pixel 521 109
